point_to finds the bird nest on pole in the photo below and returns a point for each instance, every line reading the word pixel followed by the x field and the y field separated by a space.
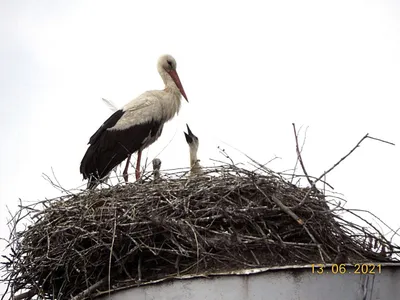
pixel 231 218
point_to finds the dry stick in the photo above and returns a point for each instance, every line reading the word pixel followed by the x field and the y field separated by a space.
pixel 366 233
pixel 352 211
pixel 25 295
pixel 312 177
pixel 297 219
pixel 380 140
pixel 107 212
pixel 56 186
pixel 111 250
pixel 297 161
pixel 299 155
pixel 12 225
pixel 259 166
pixel 301 150
pixel 394 233
pixel 336 164
pixel 376 217
pixel 89 290
pixel 301 222
pixel 59 184
pixel 352 150
pixel 197 246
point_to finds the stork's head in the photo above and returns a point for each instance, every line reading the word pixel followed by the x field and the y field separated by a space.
pixel 156 164
pixel 167 63
pixel 191 139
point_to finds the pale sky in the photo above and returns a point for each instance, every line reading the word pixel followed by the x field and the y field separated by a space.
pixel 249 68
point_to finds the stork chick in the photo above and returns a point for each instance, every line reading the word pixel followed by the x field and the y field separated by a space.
pixel 156 169
pixel 193 142
pixel 134 127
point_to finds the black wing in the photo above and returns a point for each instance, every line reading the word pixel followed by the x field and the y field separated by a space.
pixel 110 122
pixel 111 147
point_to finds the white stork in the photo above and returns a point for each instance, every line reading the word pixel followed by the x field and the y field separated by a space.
pixel 193 142
pixel 156 161
pixel 134 127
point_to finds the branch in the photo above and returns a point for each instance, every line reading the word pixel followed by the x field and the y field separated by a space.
pixel 297 219
pixel 89 290
pixel 383 141
pixel 299 155
pixel 111 250
pixel 336 164
pixel 352 150
pixel 56 185
pixel 25 295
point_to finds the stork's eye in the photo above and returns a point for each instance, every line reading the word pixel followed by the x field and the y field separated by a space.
pixel 169 63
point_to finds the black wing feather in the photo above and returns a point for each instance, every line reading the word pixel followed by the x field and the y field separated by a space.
pixel 108 148
pixel 110 122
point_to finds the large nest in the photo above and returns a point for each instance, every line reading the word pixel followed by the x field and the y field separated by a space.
pixel 231 218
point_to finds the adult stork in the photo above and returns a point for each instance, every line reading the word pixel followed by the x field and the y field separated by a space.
pixel 134 127
pixel 193 142
pixel 156 161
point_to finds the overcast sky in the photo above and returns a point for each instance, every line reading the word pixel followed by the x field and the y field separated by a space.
pixel 249 69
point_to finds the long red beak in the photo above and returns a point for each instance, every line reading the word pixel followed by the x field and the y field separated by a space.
pixel 178 83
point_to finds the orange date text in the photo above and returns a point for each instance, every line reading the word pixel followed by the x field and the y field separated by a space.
pixel 345 269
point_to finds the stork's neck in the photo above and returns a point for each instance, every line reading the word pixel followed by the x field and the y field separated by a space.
pixel 156 174
pixel 195 167
pixel 193 156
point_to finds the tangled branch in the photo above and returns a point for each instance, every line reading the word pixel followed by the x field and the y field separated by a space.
pixel 87 244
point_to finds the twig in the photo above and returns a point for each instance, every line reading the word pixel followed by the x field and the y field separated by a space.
pixel 299 156
pixel 380 140
pixel 297 159
pixel 301 222
pixel 351 151
pixel 238 217
pixel 336 164
pixel 90 290
pixel 56 186
pixel 298 220
pixel 285 209
pixel 197 246
pixel 112 249
pixel 312 177
pixel 25 295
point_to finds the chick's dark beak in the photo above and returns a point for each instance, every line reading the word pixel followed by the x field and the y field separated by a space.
pixel 189 139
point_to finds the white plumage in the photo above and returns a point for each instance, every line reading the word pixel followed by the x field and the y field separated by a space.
pixel 134 127
pixel 193 142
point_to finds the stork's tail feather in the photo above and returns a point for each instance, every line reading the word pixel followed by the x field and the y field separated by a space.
pixel 87 163
pixel 88 167
pixel 98 162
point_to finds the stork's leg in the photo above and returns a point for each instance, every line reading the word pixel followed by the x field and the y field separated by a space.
pixel 125 173
pixel 139 156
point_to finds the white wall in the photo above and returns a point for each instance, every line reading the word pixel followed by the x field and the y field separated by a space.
pixel 282 284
